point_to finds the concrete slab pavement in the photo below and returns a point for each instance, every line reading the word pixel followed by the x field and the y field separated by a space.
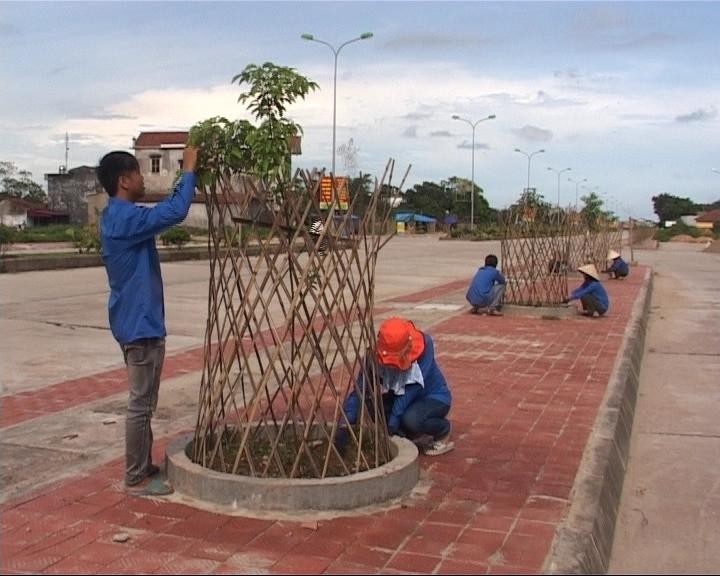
pixel 669 519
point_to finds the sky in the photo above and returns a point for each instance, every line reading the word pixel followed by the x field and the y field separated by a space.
pixel 625 94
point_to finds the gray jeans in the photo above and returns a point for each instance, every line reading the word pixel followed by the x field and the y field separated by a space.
pixel 144 360
pixel 495 298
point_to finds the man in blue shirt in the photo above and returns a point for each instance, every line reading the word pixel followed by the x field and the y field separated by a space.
pixel 487 289
pixel 619 268
pixel 136 306
pixel 591 292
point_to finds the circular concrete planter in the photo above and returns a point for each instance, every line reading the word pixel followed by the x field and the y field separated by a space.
pixel 394 479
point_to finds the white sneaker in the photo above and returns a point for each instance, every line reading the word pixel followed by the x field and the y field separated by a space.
pixel 439 447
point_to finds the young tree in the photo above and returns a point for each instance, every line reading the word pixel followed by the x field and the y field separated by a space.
pixel 592 212
pixel 19 183
pixel 263 150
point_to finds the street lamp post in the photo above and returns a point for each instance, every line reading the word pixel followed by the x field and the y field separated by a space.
pixel 529 157
pixel 335 51
pixel 472 177
pixel 559 172
pixel 577 183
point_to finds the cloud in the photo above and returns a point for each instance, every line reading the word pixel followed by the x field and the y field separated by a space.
pixel 534 134
pixel 568 74
pixel 441 134
pixel 416 116
pixel 9 30
pixel 103 115
pixel 699 115
pixel 609 27
pixel 478 145
pixel 542 98
pixel 434 40
pixel 646 41
pixel 410 132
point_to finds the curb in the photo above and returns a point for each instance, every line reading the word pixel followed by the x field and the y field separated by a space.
pixel 16 264
pixel 333 493
pixel 583 542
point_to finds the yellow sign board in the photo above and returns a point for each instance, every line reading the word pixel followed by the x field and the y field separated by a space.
pixel 326 192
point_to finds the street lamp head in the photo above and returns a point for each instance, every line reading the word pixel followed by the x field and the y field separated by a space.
pixel 549 168
pixel 491 117
pixel 307 37
pixel 518 150
pixel 541 150
pixel 455 117
pixel 366 35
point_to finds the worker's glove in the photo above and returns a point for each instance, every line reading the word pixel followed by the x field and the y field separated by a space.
pixel 566 301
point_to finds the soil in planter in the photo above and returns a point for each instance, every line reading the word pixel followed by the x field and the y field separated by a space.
pixel 260 446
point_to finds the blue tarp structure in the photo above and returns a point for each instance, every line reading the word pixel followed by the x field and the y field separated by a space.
pixel 410 217
pixel 451 220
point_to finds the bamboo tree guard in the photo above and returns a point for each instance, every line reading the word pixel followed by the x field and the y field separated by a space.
pixel 288 328
pixel 534 252
pixel 540 247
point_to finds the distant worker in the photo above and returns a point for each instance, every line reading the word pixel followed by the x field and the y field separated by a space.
pixel 591 293
pixel 619 268
pixel 487 289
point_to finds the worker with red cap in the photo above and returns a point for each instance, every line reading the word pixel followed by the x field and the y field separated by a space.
pixel 416 396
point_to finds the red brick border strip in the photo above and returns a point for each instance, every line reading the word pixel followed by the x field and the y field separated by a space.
pixel 23 406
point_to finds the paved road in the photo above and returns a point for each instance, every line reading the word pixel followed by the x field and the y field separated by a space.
pixel 54 323
pixel 669 521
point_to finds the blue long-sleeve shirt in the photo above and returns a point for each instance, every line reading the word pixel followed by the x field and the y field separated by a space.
pixel 136 306
pixel 620 267
pixel 594 288
pixel 435 387
pixel 480 289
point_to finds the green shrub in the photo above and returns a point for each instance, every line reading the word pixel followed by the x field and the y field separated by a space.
pixel 665 234
pixel 47 233
pixel 87 239
pixel 7 238
pixel 177 236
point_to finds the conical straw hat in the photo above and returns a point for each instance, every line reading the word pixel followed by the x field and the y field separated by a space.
pixel 590 270
pixel 612 255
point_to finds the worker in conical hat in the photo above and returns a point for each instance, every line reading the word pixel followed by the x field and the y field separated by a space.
pixel 618 268
pixel 591 292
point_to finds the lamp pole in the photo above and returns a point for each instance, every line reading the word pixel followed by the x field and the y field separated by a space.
pixel 335 51
pixel 559 172
pixel 472 177
pixel 577 183
pixel 529 157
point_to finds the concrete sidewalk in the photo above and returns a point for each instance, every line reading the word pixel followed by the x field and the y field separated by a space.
pixel 669 520
pixel 526 393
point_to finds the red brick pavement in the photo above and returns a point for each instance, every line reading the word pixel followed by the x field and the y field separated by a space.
pixel 526 393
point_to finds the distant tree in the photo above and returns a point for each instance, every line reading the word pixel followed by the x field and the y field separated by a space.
pixel 460 189
pixel 19 183
pixel 592 212
pixel 360 187
pixel 669 207
pixel 428 198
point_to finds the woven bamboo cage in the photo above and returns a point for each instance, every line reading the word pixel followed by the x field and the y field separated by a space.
pixel 535 255
pixel 290 324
